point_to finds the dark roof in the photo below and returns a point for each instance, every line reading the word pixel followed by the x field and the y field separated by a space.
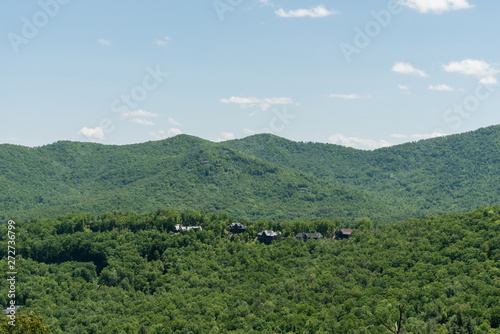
pixel 237 225
pixel 315 235
pixel 268 233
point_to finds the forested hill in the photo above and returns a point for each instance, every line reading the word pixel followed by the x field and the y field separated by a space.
pixel 181 172
pixel 455 173
pixel 126 273
pixel 261 176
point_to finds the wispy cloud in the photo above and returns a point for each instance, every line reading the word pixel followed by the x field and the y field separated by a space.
pixel 398 136
pixel 96 133
pixel 162 134
pixel 319 11
pixel 349 96
pixel 263 103
pixel 164 41
pixel 405 68
pixel 418 136
pixel 250 132
pixel 478 68
pixel 436 6
pixel 174 132
pixel 138 113
pixel 173 121
pixel 105 42
pixel 142 121
pixel 442 87
pixel 371 144
pixel 403 87
pixel 225 136
pixel 265 2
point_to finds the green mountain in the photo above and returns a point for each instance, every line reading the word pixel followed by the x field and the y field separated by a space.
pixel 259 177
pixel 125 273
pixel 181 172
pixel 455 173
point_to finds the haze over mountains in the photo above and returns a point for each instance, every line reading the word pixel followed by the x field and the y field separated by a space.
pixel 258 177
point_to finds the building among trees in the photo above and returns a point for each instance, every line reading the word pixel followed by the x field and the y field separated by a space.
pixel 307 236
pixel 343 233
pixel 267 236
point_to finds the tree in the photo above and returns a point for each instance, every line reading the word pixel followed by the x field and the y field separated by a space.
pixel 24 324
pixel 398 323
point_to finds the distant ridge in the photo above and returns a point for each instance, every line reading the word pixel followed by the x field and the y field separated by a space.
pixel 258 177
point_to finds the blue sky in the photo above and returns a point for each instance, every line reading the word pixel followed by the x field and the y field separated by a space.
pixel 364 74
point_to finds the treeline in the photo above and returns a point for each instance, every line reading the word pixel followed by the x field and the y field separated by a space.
pixel 123 272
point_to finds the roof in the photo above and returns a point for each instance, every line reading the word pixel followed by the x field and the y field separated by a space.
pixel 268 233
pixel 345 230
pixel 237 225
pixel 315 235
pixel 179 227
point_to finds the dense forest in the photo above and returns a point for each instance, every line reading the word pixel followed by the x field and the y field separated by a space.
pixel 258 177
pixel 124 272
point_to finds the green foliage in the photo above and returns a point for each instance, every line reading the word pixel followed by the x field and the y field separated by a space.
pixel 178 173
pixel 259 177
pixel 127 273
pixel 24 324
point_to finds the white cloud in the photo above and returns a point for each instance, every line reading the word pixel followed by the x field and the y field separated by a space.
pixel 164 41
pixel 418 136
pixel 174 132
pixel 319 11
pixel 405 68
pixel 173 121
pixel 250 102
pixel 250 132
pixel 142 121
pixel 105 42
pixel 436 6
pixel 162 134
pixel 138 113
pixel 265 2
pixel 403 87
pixel 443 87
pixel 225 136
pixel 371 144
pixel 96 133
pixel 349 96
pixel 478 68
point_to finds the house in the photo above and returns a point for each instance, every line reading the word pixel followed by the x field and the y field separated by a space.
pixel 237 227
pixel 179 228
pixel 307 236
pixel 343 233
pixel 267 236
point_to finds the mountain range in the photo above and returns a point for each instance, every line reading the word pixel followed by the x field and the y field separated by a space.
pixel 259 177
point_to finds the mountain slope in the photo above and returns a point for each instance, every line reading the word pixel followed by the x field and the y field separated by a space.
pixel 455 173
pixel 258 177
pixel 181 172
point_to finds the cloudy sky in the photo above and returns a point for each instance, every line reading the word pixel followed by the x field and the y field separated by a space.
pixel 358 73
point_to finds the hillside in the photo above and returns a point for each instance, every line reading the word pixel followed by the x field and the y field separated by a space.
pixel 180 172
pixel 455 173
pixel 258 177
pixel 125 273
